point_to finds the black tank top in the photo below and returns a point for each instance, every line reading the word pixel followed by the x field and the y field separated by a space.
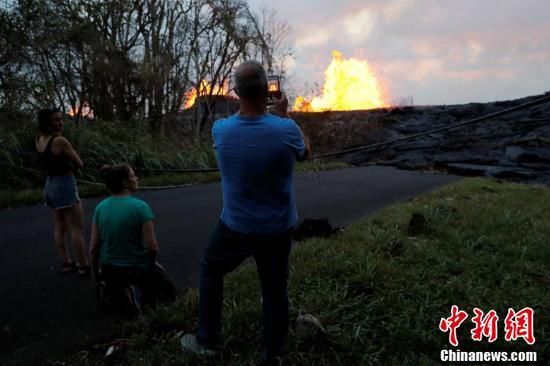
pixel 55 164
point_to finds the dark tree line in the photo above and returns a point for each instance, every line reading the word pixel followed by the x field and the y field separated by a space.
pixel 130 59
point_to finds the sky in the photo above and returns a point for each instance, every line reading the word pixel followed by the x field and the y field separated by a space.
pixel 435 51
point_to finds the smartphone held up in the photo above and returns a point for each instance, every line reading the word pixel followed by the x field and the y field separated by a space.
pixel 273 87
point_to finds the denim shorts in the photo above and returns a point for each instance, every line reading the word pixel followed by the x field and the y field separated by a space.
pixel 61 192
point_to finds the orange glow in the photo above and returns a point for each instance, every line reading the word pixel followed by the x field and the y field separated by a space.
pixel 205 89
pixel 85 111
pixel 350 84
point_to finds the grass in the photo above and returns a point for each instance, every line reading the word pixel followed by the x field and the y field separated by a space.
pixel 100 143
pixel 11 198
pixel 484 244
pixel 107 142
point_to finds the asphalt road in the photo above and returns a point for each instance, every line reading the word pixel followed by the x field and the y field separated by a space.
pixel 44 314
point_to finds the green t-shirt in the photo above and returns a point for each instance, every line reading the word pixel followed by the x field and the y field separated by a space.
pixel 119 221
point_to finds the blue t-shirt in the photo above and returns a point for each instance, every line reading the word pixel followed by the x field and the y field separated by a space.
pixel 256 157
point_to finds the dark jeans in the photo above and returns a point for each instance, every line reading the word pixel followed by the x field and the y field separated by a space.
pixel 226 250
pixel 153 283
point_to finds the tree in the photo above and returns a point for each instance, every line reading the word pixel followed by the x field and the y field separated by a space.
pixel 129 58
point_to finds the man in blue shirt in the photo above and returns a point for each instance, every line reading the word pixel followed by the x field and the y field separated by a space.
pixel 256 152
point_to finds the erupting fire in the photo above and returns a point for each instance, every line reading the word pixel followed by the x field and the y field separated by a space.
pixel 85 111
pixel 205 89
pixel 349 85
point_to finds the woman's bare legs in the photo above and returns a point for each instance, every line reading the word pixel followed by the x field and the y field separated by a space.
pixel 60 235
pixel 74 216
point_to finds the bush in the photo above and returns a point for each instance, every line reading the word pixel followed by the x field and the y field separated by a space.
pixel 99 143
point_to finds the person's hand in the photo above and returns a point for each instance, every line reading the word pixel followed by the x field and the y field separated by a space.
pixel 280 105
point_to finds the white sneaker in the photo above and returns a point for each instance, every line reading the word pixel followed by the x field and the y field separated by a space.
pixel 189 344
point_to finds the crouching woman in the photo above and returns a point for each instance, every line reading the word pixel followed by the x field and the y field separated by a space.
pixel 123 246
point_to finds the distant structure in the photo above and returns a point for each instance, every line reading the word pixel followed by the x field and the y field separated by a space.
pixel 83 111
pixel 407 101
pixel 86 110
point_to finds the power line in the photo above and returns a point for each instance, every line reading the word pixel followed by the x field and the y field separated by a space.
pixel 410 137
pixel 526 105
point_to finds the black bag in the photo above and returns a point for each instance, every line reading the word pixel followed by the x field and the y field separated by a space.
pixel 310 228
pixel 127 289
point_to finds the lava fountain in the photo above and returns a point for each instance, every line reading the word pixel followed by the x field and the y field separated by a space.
pixel 350 84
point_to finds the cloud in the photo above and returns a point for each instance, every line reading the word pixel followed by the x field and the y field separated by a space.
pixel 475 49
pixel 478 49
pixel 359 24
pixel 315 37
pixel 393 10
pixel 464 49
pixel 354 27
pixel 419 71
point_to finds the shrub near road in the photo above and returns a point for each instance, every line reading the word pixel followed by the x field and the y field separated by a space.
pixel 381 287
pixel 110 143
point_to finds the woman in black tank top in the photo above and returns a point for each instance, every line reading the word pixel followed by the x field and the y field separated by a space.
pixel 55 164
pixel 60 192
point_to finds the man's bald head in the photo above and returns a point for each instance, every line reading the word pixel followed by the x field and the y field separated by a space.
pixel 250 80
